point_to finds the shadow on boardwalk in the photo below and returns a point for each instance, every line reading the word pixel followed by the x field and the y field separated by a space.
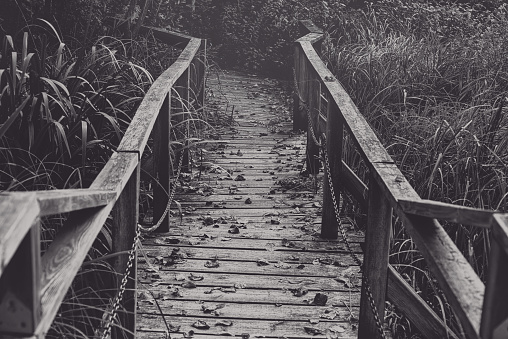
pixel 247 260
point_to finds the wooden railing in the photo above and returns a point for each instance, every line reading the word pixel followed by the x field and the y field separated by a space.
pixel 482 312
pixel 33 287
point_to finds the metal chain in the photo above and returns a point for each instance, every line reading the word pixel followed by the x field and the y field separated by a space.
pixel 168 206
pixel 326 164
pixel 123 285
pixel 357 260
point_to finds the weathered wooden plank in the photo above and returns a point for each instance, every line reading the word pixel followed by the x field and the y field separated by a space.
pixel 448 212
pixel 275 282
pixel 281 269
pixel 268 311
pixel 231 242
pixel 19 212
pixel 271 296
pixel 463 288
pixel 259 328
pixel 295 232
pixel 415 308
pixel 116 172
pixel 67 200
pixel 271 257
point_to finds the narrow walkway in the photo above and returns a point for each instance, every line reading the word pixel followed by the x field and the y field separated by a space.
pixel 246 259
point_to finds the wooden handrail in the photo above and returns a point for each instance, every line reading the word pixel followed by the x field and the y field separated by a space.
pixel 116 189
pixel 323 98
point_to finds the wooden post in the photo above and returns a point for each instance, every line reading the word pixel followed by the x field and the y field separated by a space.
pixel 125 223
pixel 312 151
pixel 299 115
pixel 20 301
pixel 334 137
pixel 20 265
pixel 182 111
pixel 375 266
pixel 494 323
pixel 162 165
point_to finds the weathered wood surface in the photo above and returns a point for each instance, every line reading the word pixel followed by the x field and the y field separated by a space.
pixel 19 212
pixel 415 308
pixel 448 212
pixel 263 250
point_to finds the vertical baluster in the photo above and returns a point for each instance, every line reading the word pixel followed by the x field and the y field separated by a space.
pixel 299 117
pixel 125 222
pixel 375 266
pixel 314 96
pixel 334 140
pixel 494 323
pixel 183 114
pixel 162 164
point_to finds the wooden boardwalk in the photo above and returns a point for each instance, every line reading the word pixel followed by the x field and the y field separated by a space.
pixel 246 259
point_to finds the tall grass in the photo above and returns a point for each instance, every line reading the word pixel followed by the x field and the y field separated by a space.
pixel 433 82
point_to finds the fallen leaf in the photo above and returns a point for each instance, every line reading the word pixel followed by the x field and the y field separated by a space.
pixel 212 263
pixel 300 291
pixel 212 308
pixel 320 299
pixel 248 201
pixel 201 325
pixel 196 277
pixel 189 284
pixel 282 265
pixel 224 323
pixel 312 330
pixel 262 262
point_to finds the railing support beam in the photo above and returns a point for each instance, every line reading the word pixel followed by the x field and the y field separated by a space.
pixel 375 265
pixel 125 223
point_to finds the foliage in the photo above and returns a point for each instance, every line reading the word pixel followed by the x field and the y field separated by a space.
pixel 63 112
pixel 432 80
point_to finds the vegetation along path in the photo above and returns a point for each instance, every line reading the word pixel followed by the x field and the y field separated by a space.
pixel 246 259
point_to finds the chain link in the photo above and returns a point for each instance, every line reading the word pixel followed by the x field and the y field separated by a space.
pixel 326 164
pixel 123 285
pixel 168 206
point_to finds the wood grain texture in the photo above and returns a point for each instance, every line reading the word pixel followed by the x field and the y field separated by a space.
pixel 123 234
pixel 415 308
pixel 377 249
pixel 19 212
pixel 68 200
pixel 463 288
pixel 444 211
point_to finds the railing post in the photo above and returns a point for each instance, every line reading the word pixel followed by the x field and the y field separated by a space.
pixel 125 223
pixel 334 140
pixel 298 77
pixel 183 113
pixel 494 323
pixel 375 265
pixel 162 164
pixel 20 294
pixel 312 151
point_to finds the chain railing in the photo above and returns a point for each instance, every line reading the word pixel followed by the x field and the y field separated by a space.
pixel 480 309
pixel 326 165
